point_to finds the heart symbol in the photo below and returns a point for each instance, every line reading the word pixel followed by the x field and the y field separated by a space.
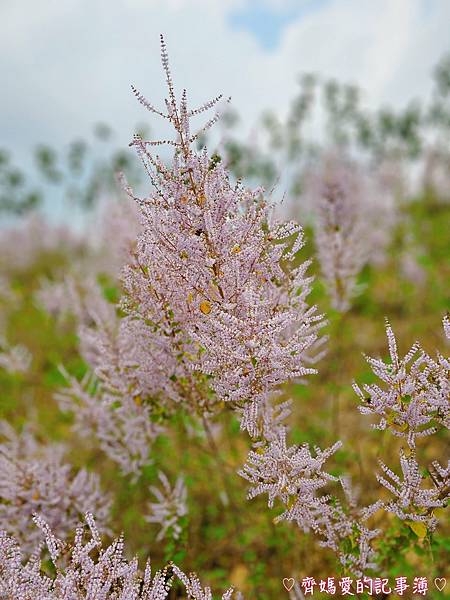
pixel 440 583
pixel 289 583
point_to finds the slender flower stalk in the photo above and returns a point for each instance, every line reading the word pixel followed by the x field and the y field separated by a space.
pixel 85 569
pixel 412 502
pixel 294 476
pixel 413 401
pixel 412 404
pixel 169 508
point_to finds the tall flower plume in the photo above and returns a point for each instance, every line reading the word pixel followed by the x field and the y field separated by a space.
pixel 213 279
pixel 215 308
pixel 354 214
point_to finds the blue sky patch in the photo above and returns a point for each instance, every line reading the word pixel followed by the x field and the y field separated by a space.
pixel 267 22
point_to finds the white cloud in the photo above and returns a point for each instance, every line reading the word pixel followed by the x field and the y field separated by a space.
pixel 65 65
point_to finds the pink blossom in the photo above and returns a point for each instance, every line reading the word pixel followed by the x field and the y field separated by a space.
pixel 414 399
pixel 34 479
pixel 87 569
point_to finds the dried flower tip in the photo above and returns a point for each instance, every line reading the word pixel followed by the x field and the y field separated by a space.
pixel 205 307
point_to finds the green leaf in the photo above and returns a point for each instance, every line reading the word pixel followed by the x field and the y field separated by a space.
pixel 419 528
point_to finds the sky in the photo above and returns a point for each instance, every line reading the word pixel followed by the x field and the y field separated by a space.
pixel 65 65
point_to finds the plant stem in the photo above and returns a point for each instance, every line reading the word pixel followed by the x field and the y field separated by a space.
pixel 222 466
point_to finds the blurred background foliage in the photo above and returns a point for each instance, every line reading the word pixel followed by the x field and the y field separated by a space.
pixel 86 170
